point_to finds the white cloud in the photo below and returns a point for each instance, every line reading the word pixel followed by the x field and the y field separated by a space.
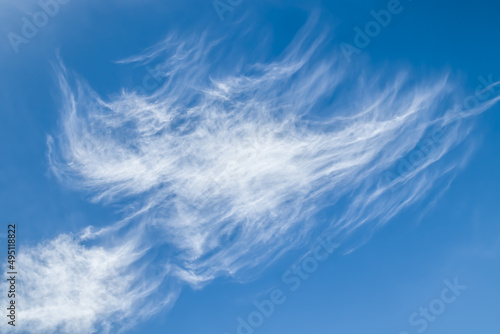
pixel 65 286
pixel 228 170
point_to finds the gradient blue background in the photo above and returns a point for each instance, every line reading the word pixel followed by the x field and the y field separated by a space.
pixel 374 289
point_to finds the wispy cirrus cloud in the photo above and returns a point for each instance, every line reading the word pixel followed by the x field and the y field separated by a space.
pixel 69 286
pixel 227 170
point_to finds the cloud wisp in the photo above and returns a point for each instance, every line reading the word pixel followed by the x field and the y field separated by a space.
pixel 222 172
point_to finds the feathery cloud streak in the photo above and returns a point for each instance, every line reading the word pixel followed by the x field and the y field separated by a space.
pixel 226 170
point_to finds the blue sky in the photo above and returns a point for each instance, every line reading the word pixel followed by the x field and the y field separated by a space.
pixel 212 156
